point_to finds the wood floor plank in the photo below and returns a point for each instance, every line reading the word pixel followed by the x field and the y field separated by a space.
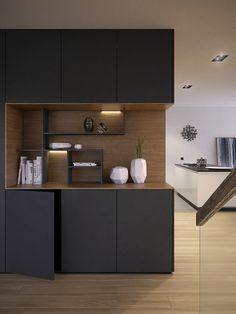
pixel 113 293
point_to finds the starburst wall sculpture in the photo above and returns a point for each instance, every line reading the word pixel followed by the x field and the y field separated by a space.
pixel 189 133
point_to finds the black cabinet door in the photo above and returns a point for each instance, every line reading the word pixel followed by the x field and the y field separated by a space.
pixel 30 233
pixel 88 231
pixel 145 66
pixel 2 231
pixel 33 66
pixel 2 150
pixel 145 231
pixel 88 66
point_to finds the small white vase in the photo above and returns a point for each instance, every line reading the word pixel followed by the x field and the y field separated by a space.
pixel 138 170
pixel 119 175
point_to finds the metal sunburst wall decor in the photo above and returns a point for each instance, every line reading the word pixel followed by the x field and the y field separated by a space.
pixel 189 133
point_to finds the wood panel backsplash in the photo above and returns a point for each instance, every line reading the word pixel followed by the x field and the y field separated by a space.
pixel 119 150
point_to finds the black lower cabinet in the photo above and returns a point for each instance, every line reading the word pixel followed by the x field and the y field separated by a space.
pixel 30 233
pixel 2 151
pixel 2 231
pixel 88 231
pixel 145 231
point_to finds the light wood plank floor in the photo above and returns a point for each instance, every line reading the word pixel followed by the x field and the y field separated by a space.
pixel 113 294
pixel 218 264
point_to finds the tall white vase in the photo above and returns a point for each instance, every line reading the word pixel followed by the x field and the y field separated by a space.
pixel 138 170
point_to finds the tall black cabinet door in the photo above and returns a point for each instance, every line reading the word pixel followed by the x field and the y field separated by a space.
pixel 145 66
pixel 88 66
pixel 88 231
pixel 33 66
pixel 30 233
pixel 2 151
pixel 2 231
pixel 145 231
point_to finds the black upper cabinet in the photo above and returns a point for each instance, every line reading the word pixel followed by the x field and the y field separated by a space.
pixel 146 66
pixel 33 66
pixel 88 66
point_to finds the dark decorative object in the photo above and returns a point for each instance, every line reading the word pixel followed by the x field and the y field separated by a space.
pixel 88 125
pixel 201 162
pixel 189 133
pixel 102 128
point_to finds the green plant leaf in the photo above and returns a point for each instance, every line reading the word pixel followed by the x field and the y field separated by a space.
pixel 139 145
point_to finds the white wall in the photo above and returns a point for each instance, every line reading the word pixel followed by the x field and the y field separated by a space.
pixel 211 122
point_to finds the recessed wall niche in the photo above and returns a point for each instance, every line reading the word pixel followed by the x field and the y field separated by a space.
pixel 30 128
pixel 72 122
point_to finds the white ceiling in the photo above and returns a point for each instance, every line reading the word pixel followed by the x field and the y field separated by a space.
pixel 203 29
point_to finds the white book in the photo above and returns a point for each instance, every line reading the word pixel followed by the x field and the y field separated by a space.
pixel 35 171
pixel 23 170
pixel 22 160
pixel 23 173
pixel 19 173
pixel 26 172
pixel 39 168
pixel 29 172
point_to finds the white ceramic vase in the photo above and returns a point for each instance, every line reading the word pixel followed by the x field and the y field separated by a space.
pixel 138 170
pixel 119 175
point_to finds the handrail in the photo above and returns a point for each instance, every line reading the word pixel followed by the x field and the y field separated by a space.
pixel 225 191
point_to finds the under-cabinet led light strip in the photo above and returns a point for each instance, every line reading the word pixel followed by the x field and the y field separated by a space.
pixel 111 111
pixel 58 151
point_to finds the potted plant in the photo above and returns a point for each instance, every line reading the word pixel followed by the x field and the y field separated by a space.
pixel 138 168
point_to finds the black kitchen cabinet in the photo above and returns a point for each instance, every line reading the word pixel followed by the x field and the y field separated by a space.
pixel 88 66
pixel 2 151
pixel 145 231
pixel 88 231
pixel 2 231
pixel 145 66
pixel 33 66
pixel 30 233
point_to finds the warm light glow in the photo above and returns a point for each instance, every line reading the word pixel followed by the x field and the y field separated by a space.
pixel 58 151
pixel 111 111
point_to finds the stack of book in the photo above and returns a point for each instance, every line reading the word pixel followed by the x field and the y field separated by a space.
pixel 30 171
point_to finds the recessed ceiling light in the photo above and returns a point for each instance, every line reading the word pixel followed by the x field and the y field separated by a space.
pixel 187 86
pixel 219 58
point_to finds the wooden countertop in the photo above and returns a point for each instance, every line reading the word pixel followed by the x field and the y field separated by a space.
pixel 111 186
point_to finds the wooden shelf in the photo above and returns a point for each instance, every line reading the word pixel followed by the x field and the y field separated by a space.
pixel 29 150
pixel 92 106
pixel 75 133
pixel 74 150
pixel 79 167
pixel 62 149
pixel 80 185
